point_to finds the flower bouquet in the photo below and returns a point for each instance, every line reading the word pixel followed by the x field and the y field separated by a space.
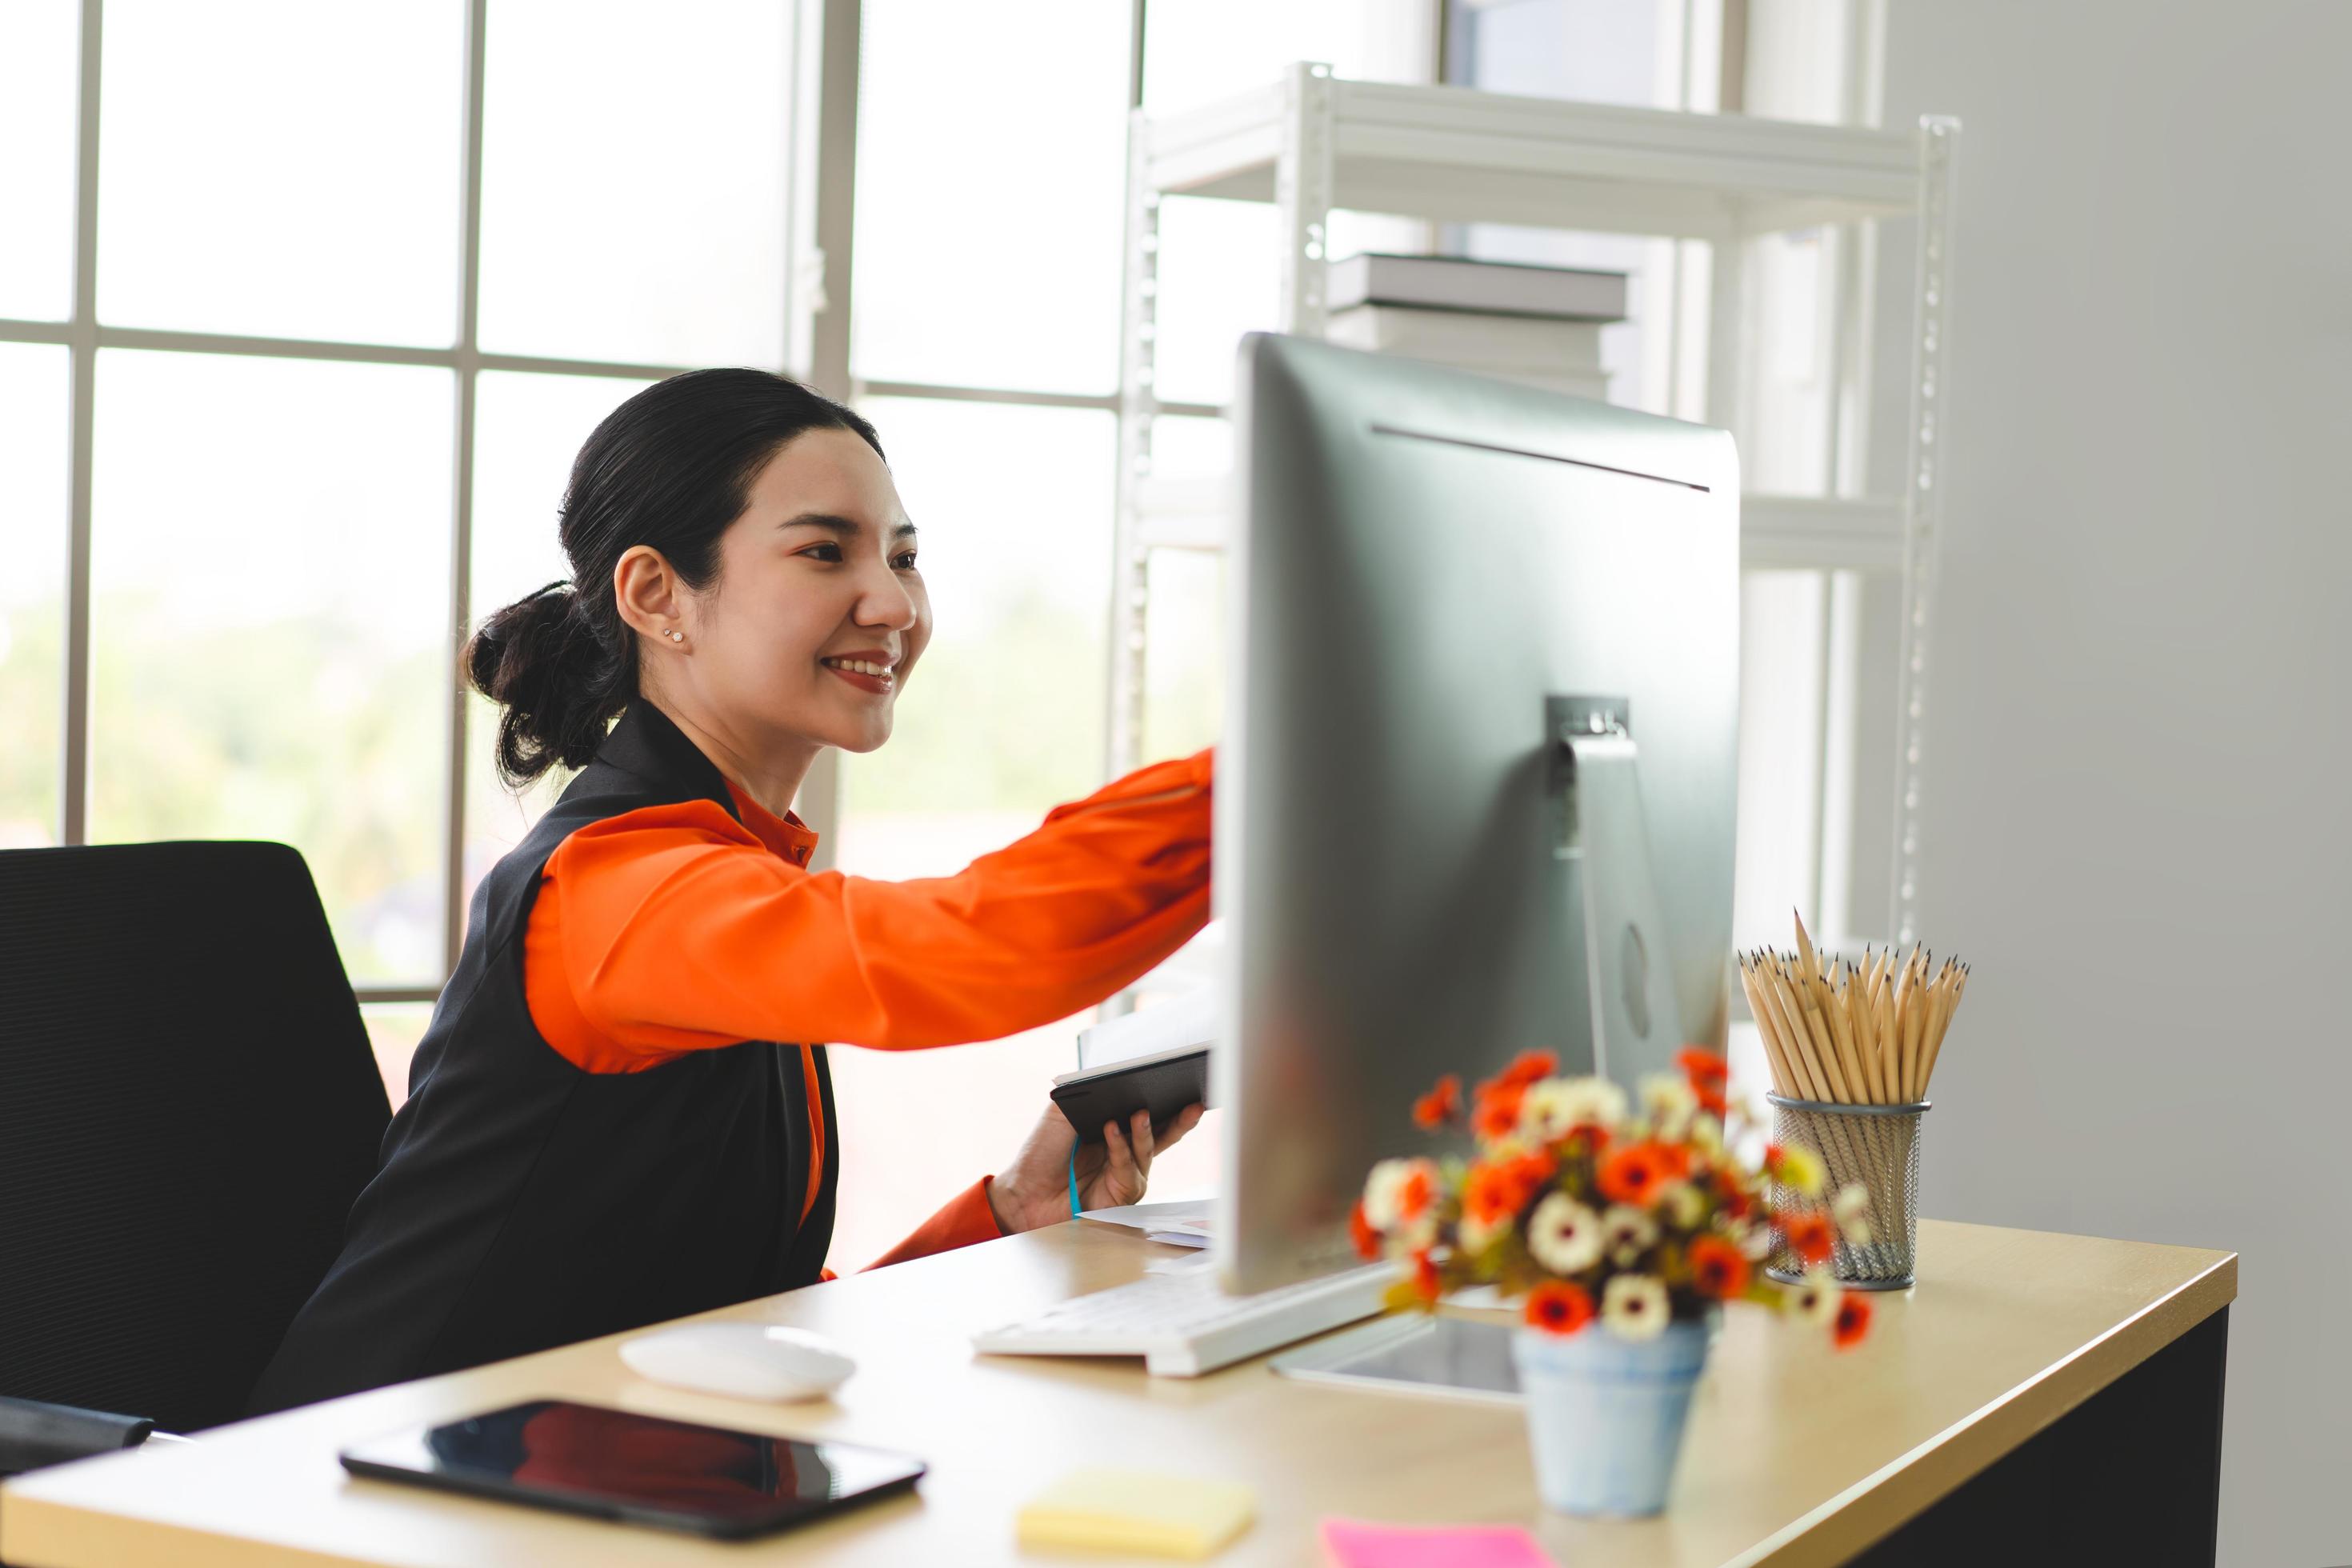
pixel 1590 1207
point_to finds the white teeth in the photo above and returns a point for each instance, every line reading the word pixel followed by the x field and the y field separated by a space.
pixel 859 667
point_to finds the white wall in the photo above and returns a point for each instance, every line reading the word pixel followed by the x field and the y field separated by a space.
pixel 2140 742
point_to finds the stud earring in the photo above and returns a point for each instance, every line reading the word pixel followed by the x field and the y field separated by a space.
pixel 677 635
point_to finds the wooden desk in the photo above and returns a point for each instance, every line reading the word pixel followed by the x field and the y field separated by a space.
pixel 1796 1454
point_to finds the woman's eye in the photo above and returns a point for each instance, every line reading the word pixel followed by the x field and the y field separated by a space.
pixel 827 552
pixel 905 561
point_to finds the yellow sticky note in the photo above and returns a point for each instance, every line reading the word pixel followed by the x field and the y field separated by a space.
pixel 1137 1510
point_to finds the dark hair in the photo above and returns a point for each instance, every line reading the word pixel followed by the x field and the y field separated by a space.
pixel 671 468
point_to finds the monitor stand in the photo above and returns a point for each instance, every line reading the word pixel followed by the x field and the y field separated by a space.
pixel 1596 780
pixel 1636 1030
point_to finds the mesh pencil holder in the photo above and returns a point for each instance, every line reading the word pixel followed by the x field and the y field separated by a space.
pixel 1877 1146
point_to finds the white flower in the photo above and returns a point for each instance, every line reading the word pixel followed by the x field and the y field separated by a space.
pixel 1564 1236
pixel 1392 1197
pixel 1851 1208
pixel 1670 1103
pixel 1627 1232
pixel 1684 1206
pixel 1633 1307
pixel 1815 1299
pixel 1706 1134
pixel 1553 1105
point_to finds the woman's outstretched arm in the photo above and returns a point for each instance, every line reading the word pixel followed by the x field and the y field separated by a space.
pixel 677 929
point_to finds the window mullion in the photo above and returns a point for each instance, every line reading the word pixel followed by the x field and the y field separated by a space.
pixel 833 164
pixel 461 516
pixel 73 795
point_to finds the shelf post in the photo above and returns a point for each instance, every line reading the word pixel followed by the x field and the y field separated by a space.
pixel 1923 501
pixel 1302 193
pixel 1130 583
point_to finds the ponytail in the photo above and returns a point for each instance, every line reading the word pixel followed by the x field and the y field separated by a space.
pixel 559 684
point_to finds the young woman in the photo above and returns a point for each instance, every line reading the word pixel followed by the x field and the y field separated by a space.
pixel 618 1114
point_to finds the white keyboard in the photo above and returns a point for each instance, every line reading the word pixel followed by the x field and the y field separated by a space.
pixel 1184 1324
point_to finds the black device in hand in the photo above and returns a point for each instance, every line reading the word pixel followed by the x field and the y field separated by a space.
pixel 1163 1083
pixel 645 1469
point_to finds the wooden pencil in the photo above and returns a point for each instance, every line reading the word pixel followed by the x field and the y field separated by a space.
pixel 1903 988
pixel 1805 947
pixel 1824 1048
pixel 1775 1061
pixel 1890 1037
pixel 1914 1032
pixel 1866 1037
pixel 1776 979
pixel 1946 993
pixel 1857 1001
pixel 1799 1078
pixel 1861 1072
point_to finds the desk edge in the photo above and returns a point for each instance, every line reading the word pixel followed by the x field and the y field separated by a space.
pixel 1907 1486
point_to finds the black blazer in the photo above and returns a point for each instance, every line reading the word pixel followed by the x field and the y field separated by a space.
pixel 521 1203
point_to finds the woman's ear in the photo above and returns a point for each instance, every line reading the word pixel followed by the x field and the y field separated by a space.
pixel 647 592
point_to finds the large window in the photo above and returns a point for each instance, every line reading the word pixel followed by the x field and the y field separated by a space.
pixel 318 429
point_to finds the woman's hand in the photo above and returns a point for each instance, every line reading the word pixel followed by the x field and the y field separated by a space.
pixel 1035 1190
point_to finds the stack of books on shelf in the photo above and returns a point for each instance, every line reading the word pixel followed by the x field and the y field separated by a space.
pixel 1540 325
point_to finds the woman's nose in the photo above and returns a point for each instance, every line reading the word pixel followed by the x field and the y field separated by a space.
pixel 886 602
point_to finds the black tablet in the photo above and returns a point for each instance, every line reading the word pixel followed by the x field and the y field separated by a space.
pixel 645 1469
pixel 1163 1083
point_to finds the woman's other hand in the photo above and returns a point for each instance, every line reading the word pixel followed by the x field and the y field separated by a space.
pixel 1035 1190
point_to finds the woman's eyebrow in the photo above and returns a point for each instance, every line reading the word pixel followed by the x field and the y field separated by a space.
pixel 841 524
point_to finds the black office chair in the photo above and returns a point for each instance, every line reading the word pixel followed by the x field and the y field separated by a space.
pixel 188 1107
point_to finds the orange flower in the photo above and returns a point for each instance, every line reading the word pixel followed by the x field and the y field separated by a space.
pixel 1497 1116
pixel 1852 1323
pixel 1701 1065
pixel 1529 1173
pixel 1489 1193
pixel 1527 1067
pixel 1558 1306
pixel 1360 1232
pixel 1425 1276
pixel 1709 1074
pixel 1494 1190
pixel 1675 1158
pixel 1718 1267
pixel 1414 1195
pixel 1437 1107
pixel 1809 1234
pixel 1728 1196
pixel 1633 1175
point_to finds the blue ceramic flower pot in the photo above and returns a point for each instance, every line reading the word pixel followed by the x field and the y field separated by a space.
pixel 1605 1415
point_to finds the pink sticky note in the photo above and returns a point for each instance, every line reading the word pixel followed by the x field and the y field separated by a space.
pixel 1357 1544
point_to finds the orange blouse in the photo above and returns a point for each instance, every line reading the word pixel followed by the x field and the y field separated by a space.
pixel 678 928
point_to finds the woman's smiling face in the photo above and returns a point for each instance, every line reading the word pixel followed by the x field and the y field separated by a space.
pixel 818 614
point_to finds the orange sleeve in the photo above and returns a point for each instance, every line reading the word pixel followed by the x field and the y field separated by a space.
pixel 967 1219
pixel 673 929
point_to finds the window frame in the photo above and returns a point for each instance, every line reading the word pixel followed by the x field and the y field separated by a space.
pixel 83 336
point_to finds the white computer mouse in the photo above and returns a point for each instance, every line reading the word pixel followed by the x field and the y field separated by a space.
pixel 749 1361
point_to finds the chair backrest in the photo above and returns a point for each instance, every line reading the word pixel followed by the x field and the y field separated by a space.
pixel 188 1107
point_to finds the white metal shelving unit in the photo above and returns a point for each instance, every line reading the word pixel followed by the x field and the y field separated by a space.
pixel 1311 142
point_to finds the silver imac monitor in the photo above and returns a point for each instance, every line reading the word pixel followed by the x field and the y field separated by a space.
pixel 1477 789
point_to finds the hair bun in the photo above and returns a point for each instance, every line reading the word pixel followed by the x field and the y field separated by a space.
pixel 540 660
